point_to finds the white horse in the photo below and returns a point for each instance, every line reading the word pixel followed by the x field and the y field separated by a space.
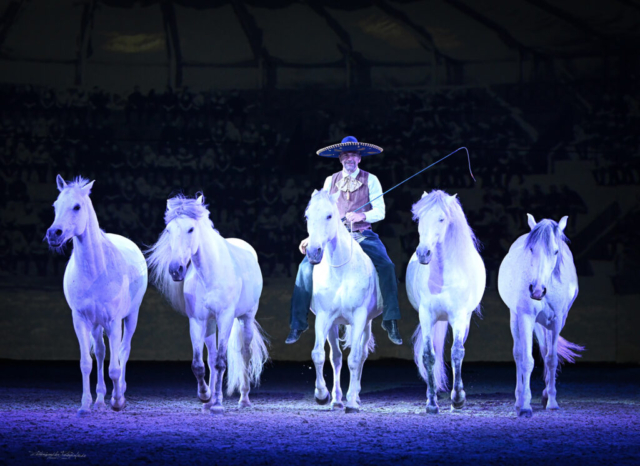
pixel 445 283
pixel 538 282
pixel 104 283
pixel 212 280
pixel 345 292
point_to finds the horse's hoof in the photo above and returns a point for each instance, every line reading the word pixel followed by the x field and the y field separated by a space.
pixel 552 407
pixel 205 397
pixel 100 405
pixel 337 405
pixel 82 412
pixel 432 409
pixel 245 404
pixel 457 404
pixel 216 409
pixel 118 405
pixel 323 401
pixel 350 409
pixel 526 413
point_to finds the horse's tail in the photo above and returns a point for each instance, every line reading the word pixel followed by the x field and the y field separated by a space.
pixel 346 341
pixel 237 369
pixel 440 368
pixel 567 351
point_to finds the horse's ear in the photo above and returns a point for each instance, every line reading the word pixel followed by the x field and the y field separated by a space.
pixel 424 194
pixel 334 197
pixel 86 189
pixel 532 221
pixel 61 183
pixel 452 197
pixel 562 224
pixel 200 199
pixel 315 191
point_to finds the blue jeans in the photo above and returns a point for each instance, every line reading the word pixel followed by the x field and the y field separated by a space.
pixel 373 247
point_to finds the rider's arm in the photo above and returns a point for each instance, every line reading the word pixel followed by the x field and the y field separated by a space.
pixel 377 211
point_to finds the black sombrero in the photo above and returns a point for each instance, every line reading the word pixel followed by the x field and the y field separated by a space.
pixel 350 144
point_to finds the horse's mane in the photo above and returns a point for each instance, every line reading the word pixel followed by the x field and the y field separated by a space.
pixel 159 255
pixel 459 232
pixel 541 235
pixel 77 182
pixel 321 195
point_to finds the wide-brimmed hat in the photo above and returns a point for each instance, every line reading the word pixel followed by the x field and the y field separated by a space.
pixel 350 144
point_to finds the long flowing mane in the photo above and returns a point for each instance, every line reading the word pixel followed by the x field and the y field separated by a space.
pixel 459 234
pixel 321 195
pixel 541 236
pixel 159 255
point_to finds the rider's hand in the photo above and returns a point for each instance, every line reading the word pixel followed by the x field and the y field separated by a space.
pixel 303 245
pixel 356 217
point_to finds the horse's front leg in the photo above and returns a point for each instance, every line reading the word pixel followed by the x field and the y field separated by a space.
pixel 427 323
pixel 225 323
pixel 323 324
pixel 336 362
pixel 460 327
pixel 517 357
pixel 356 356
pixel 525 327
pixel 197 330
pixel 114 332
pixel 100 350
pixel 86 363
pixel 551 365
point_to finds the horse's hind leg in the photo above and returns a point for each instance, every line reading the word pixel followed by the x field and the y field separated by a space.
pixel 197 332
pixel 318 355
pixel 212 352
pixel 355 360
pixel 427 324
pixel 336 362
pixel 247 330
pixel 130 323
pixel 541 336
pixel 86 363
pixel 460 329
pixel 99 350
pixel 225 324
pixel 114 332
pixel 551 365
pixel 366 337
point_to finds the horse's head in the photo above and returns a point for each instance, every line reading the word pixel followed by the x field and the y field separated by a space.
pixel 543 245
pixel 434 214
pixel 323 221
pixel 72 211
pixel 183 219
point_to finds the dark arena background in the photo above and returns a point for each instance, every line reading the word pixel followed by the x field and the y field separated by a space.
pixel 232 98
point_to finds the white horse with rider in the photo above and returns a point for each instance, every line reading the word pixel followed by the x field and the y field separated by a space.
pixel 538 282
pixel 445 283
pixel 104 283
pixel 345 292
pixel 216 283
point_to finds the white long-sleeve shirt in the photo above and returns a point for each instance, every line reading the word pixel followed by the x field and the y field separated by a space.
pixel 377 211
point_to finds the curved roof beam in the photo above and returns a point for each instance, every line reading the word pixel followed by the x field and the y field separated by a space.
pixel 174 49
pixel 425 39
pixel 501 32
pixel 84 42
pixel 8 19
pixel 570 19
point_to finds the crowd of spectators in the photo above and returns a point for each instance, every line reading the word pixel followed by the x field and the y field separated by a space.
pixel 252 157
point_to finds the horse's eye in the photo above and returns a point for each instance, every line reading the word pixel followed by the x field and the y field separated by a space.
pixel 76 207
pixel 328 217
pixel 441 220
pixel 190 230
pixel 556 253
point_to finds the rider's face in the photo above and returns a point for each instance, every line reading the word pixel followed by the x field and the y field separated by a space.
pixel 350 161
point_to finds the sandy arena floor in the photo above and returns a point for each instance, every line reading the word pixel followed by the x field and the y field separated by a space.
pixel 599 420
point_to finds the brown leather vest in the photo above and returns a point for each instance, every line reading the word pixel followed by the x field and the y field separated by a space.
pixel 357 198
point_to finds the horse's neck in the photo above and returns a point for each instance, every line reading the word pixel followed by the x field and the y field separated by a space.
pixel 89 248
pixel 340 249
pixel 213 259
pixel 450 255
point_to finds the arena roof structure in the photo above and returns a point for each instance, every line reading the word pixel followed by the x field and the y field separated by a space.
pixel 302 43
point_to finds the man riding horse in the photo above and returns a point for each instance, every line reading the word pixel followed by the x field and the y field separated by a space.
pixel 357 187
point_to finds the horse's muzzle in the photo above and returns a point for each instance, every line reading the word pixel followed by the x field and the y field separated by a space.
pixel 177 271
pixel 424 257
pixel 315 255
pixel 537 293
pixel 55 237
